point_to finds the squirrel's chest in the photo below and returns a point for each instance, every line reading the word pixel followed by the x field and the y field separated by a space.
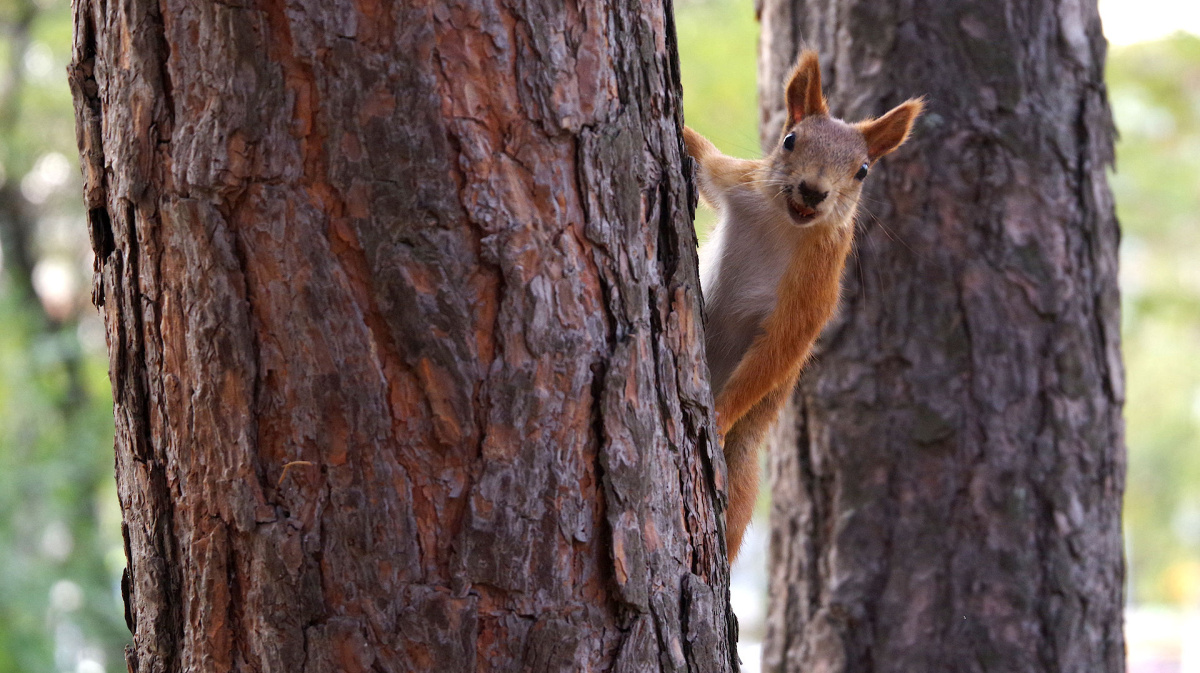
pixel 742 279
pixel 740 273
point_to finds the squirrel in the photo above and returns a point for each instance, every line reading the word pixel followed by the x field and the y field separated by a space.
pixel 771 271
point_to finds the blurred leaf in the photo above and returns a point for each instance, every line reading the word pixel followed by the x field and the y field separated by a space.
pixel 1155 92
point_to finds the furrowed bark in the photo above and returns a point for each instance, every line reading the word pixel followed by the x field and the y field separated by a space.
pixel 948 485
pixel 405 341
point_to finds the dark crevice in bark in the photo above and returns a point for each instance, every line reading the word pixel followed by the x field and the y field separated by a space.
pixel 127 584
pixel 599 371
pixel 673 78
pixel 668 238
pixel 155 26
pixel 135 391
pixel 814 499
pixel 82 78
pixel 100 228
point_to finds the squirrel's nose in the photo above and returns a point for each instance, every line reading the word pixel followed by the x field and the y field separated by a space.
pixel 810 196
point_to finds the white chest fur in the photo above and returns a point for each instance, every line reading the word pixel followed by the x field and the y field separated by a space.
pixel 740 269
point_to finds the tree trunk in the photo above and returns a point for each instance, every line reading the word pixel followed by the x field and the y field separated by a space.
pixel 404 331
pixel 948 486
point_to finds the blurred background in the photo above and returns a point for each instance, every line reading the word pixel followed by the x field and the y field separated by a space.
pixel 60 526
pixel 60 543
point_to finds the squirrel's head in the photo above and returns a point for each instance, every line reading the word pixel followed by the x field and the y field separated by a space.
pixel 817 169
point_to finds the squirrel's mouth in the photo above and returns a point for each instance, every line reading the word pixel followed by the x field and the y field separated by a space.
pixel 801 213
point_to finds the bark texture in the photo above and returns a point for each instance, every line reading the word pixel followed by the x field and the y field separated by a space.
pixel 404 330
pixel 948 485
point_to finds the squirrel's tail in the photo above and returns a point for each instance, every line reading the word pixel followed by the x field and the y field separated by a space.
pixel 741 461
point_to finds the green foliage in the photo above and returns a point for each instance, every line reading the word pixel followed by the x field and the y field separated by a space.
pixel 60 544
pixel 718 52
pixel 56 487
pixel 1155 92
pixel 43 119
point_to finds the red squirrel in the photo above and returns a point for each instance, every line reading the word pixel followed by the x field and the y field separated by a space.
pixel 771 271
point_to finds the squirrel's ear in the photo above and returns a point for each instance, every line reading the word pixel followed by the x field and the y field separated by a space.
pixel 803 90
pixel 891 130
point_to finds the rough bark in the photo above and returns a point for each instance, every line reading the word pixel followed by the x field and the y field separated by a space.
pixel 404 331
pixel 948 486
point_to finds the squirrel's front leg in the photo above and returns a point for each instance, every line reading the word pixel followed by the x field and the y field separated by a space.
pixel 718 173
pixel 761 370
pixel 698 147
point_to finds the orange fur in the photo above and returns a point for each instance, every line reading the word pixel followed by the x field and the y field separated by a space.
pixel 741 460
pixel 808 296
pixel 784 196
pixel 721 173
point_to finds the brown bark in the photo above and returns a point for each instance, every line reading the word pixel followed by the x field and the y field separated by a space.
pixel 403 321
pixel 948 487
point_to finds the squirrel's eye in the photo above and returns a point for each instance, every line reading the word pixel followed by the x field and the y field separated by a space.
pixel 789 141
pixel 862 172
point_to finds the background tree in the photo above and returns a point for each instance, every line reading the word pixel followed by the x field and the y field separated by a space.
pixel 403 323
pixel 948 496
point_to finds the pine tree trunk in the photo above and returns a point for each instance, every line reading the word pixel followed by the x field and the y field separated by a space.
pixel 948 485
pixel 404 331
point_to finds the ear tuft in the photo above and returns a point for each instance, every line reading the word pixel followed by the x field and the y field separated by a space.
pixel 890 131
pixel 803 91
